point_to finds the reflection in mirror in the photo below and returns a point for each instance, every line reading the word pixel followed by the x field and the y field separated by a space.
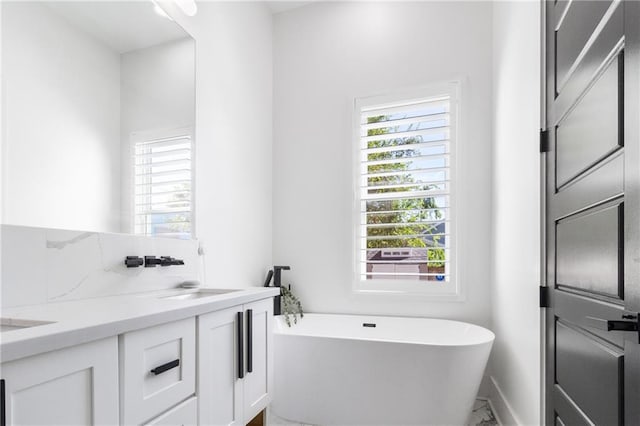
pixel 99 114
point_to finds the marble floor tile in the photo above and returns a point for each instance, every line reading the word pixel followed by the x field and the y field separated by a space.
pixel 480 416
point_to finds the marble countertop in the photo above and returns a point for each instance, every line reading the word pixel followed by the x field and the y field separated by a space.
pixel 80 321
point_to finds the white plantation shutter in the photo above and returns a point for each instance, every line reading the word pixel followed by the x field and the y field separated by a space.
pixel 404 186
pixel 163 172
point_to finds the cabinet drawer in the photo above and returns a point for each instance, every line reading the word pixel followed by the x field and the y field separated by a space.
pixel 185 414
pixel 157 369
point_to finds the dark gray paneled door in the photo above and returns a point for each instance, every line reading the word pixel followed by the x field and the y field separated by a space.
pixel 592 212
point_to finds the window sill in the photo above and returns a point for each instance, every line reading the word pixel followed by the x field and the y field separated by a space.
pixel 409 290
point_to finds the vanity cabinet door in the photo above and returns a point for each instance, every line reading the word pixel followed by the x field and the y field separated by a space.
pixel 220 348
pixel 74 386
pixel 157 369
pixel 235 363
pixel 259 370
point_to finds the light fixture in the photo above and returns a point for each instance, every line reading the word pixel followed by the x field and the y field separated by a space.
pixel 160 11
pixel 188 7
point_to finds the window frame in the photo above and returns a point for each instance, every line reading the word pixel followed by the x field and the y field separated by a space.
pixel 158 134
pixel 446 291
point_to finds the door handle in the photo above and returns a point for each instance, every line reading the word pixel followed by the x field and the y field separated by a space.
pixel 630 322
pixel 613 325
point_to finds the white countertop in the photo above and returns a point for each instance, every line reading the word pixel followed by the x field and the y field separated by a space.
pixel 80 321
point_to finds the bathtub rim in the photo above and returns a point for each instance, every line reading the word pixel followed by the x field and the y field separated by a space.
pixel 279 326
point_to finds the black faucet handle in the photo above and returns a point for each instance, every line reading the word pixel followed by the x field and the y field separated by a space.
pixel 268 280
pixel 133 261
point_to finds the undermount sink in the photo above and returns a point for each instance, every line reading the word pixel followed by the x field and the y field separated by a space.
pixel 198 294
pixel 10 324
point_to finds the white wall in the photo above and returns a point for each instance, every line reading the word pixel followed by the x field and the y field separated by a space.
pixel 233 138
pixel 157 86
pixel 57 79
pixel 326 54
pixel 515 366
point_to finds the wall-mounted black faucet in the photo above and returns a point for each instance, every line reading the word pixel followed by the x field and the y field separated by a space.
pixel 276 273
pixel 152 261
pixel 169 261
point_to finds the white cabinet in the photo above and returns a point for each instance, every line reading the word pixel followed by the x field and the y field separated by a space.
pixel 219 384
pixel 215 369
pixel 157 369
pixel 259 376
pixel 234 363
pixel 72 386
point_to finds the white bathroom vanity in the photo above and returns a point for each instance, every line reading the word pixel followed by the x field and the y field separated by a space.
pixel 198 356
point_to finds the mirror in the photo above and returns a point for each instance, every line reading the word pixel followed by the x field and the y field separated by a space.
pixel 98 103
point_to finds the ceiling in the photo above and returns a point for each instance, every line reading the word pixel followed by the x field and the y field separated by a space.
pixel 283 6
pixel 123 26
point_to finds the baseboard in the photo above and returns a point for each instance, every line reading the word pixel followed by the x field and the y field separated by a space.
pixel 485 387
pixel 499 404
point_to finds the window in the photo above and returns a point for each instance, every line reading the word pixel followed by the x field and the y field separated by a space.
pixel 163 196
pixel 404 209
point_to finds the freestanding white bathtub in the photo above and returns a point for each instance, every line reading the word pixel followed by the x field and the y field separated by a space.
pixel 363 370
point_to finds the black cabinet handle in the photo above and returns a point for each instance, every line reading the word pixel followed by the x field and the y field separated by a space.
pixel 165 367
pixel 240 335
pixel 250 340
pixel 3 409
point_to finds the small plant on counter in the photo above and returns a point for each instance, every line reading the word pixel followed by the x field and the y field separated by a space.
pixel 291 306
